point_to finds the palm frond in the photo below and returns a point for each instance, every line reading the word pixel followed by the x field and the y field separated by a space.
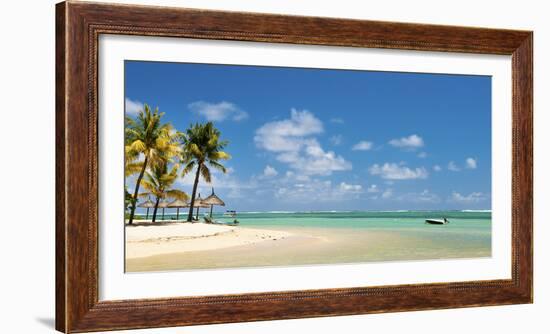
pixel 195 150
pixel 167 179
pixel 188 168
pixel 133 168
pixel 137 146
pixel 205 173
pixel 149 185
pixel 217 166
pixel 177 194
pixel 219 155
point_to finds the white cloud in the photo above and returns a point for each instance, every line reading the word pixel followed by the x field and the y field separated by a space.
pixel 293 142
pixel 290 187
pixel 393 171
pixel 218 112
pixel 350 187
pixel 422 155
pixel 363 145
pixel 315 190
pixel 235 193
pixel 288 135
pixel 471 163
pixel 132 107
pixel 337 120
pixel 453 167
pixel 373 188
pixel 437 168
pixel 387 193
pixel 270 171
pixel 228 170
pixel 336 140
pixel 318 162
pixel 474 197
pixel 411 142
pixel 422 197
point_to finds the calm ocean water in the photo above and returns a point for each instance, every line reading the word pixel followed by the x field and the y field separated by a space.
pixel 474 221
pixel 364 219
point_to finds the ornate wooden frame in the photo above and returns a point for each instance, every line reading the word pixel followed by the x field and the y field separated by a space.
pixel 78 26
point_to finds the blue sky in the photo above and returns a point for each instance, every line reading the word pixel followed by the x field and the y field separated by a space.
pixel 310 139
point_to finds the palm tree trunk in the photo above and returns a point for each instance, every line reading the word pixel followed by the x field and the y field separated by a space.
pixel 136 191
pixel 195 184
pixel 156 208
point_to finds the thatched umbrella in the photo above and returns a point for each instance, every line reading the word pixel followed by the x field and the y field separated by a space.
pixel 163 205
pixel 199 203
pixel 178 203
pixel 213 200
pixel 147 204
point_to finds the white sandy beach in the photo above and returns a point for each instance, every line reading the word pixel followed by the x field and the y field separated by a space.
pixel 148 240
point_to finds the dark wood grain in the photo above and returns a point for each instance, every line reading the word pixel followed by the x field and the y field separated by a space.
pixel 522 166
pixel 60 135
pixel 78 27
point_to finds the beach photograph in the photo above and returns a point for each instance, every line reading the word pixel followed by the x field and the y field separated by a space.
pixel 232 166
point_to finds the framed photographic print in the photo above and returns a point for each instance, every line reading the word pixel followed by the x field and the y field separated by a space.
pixel 222 167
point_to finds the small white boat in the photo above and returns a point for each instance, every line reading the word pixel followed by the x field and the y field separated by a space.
pixel 443 221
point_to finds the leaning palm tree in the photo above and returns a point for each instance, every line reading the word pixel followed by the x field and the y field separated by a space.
pixel 147 137
pixel 202 148
pixel 158 183
pixel 131 167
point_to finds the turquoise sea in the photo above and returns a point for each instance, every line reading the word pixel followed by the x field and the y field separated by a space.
pixel 464 221
pixel 461 220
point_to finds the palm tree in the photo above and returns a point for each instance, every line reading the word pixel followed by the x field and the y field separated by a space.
pixel 146 136
pixel 202 148
pixel 131 167
pixel 158 182
pixel 127 200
